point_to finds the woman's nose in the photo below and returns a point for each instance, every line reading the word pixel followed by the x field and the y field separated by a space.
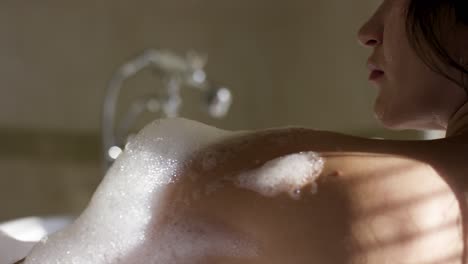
pixel 371 34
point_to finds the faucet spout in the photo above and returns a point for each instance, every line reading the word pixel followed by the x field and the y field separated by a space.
pixel 179 72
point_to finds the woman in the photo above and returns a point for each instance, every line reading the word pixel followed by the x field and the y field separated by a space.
pixel 378 201
pixel 392 201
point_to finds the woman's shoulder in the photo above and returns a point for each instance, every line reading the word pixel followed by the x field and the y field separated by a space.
pixel 393 193
pixel 347 157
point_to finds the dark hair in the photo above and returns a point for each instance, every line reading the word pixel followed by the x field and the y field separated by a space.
pixel 428 24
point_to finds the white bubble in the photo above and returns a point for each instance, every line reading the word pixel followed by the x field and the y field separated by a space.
pixel 288 174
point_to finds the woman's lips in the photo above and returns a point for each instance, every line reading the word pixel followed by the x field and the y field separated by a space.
pixel 375 75
pixel 376 72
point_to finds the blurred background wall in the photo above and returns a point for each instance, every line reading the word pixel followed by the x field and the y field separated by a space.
pixel 287 62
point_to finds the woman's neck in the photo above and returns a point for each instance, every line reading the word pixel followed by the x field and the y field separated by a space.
pixel 458 123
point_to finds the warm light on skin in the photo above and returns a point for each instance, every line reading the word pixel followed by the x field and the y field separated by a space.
pixel 379 202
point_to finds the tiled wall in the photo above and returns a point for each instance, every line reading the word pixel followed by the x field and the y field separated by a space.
pixel 288 62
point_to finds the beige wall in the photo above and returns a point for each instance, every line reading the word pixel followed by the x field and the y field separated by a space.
pixel 288 63
pixel 299 59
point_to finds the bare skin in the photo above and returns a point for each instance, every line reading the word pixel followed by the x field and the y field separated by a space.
pixel 378 200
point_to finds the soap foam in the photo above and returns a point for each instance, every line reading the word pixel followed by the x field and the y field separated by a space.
pixel 122 216
pixel 288 174
pixel 116 222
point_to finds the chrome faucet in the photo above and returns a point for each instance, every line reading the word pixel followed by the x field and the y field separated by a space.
pixel 176 72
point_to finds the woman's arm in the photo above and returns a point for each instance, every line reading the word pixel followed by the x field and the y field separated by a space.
pixel 388 188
